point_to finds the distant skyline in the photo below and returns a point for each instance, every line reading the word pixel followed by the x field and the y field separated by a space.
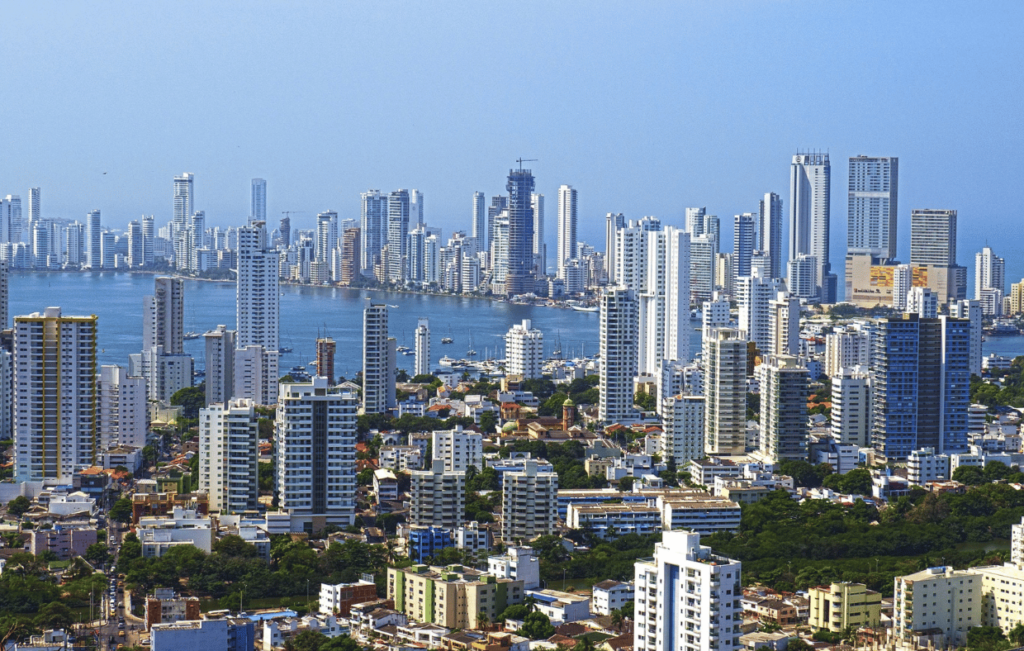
pixel 643 109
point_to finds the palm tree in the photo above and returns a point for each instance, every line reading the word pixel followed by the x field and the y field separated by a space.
pixel 617 619
pixel 482 620
pixel 1016 634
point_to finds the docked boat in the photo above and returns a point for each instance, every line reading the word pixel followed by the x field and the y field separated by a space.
pixel 582 308
pixel 188 336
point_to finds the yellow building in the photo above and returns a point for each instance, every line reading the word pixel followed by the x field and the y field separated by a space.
pixel 1017 297
pixel 452 596
pixel 837 606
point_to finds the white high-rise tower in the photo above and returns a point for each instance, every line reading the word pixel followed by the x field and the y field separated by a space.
pixel 378 360
pixel 163 316
pixel 524 350
pixel 479 230
pixel 423 347
pixel 566 227
pixel 873 199
pixel 258 201
pixel 809 192
pixel 618 349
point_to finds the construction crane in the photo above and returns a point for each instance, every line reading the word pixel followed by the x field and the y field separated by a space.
pixel 524 160
pixel 289 213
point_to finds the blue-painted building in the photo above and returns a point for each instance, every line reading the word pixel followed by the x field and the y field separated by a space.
pixel 425 542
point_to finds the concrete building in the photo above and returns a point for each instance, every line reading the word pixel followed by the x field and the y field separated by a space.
pixel 338 599
pixel 566 227
pixel 228 455
pixel 784 392
pixel 524 350
pixel 755 295
pixel 123 412
pixel 213 631
pixel 453 597
pixel 163 316
pixel 933 237
pixel 697 511
pixel 851 406
pixel 529 504
pixel 925 465
pixel 783 325
pixel 937 601
pixel 184 527
pixel 838 606
pixel 256 374
pixel 688 598
pixel 458 449
pixel 325 348
pixel 55 358
pixel 614 520
pixel 809 219
pixel 609 595
pixel 63 541
pixel 520 278
pixel 422 336
pixel 257 292
pixel 315 437
pixel 560 607
pixel 618 350
pixel 972 311
pixel 847 348
pixel 769 232
pixel 379 365
pixel 873 200
pixel 683 423
pixel 220 365
pixel 725 393
pixel 438 497
pixel 517 564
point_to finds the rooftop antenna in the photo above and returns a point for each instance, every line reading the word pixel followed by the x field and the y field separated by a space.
pixel 524 160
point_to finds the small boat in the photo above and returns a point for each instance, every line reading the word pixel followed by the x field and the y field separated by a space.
pixel 580 308
pixel 402 349
pixel 191 335
pixel 286 349
pixel 447 340
pixel 471 353
pixel 446 361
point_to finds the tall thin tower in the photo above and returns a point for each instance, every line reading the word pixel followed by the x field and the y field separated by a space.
pixel 184 198
pixel 769 232
pixel 520 279
pixel 423 347
pixel 479 229
pixel 871 213
pixel 566 227
pixel 809 192
pixel 258 201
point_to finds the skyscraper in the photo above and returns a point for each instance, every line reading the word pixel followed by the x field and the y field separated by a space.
pixel 148 233
pixel 258 201
pixel 540 247
pixel 809 214
pixel 664 299
pixel 702 267
pixel 315 437
pixel 397 235
pixel 933 237
pixel 163 316
pixel 519 279
pixel 374 228
pixel 35 207
pixel 184 199
pixel 229 455
pixel 378 360
pixel 618 349
pixel 566 227
pixel 524 350
pixel 285 230
pixel 725 386
pixel 415 208
pixel 695 221
pixel 4 294
pixel 920 384
pixel 220 365
pixel 971 311
pixel 325 349
pixel 744 238
pixel 422 347
pixel 754 294
pixel 613 222
pixel 326 235
pixel 873 199
pixel 479 230
pixel 683 573
pixel 851 406
pixel 529 503
pixel 93 241
pixel 258 296
pixel 989 281
pixel 13 219
pixel 134 245
pixel 350 256
pixel 438 497
pixel 784 391
pixel 499 205
pixel 770 233
pixel 684 428
pixel 55 395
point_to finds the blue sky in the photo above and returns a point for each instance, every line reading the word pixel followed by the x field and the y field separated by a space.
pixel 645 107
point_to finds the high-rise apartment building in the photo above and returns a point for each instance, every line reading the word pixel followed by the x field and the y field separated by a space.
pixel 258 201
pixel 769 233
pixel 872 208
pixel 663 325
pixel 851 406
pixel 847 348
pixel 524 350
pixel 349 271
pixel 972 312
pixel 284 230
pixel 397 235
pixel 148 241
pixel 923 302
pixel 613 222
pixel 744 240
pixel 438 497
pixel 258 295
pixel 55 396
pixel 540 247
pixel 375 217
pixel 683 438
pixel 479 223
pixel 13 225
pixel 229 455
pixel 184 199
pixel 529 505
pixel 256 374
pixel 326 235
pixel 415 208
pixel 422 336
pixel 220 365
pixel 458 449
pixel 754 295
pixel 135 258
pixel 687 598
pixel 325 348
pixel 93 240
pixel 933 237
pixel 163 316
pixel 566 227
pixel 989 281
pixel 784 391
pixel 618 349
pixel 783 325
pixel 920 377
pixel 520 278
pixel 725 392
pixel 695 221
pixel 378 360
pixel 315 438
pixel 809 214
pixel 35 206
pixel 702 267
pixel 122 408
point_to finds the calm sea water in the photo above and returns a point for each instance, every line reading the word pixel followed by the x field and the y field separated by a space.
pixel 305 311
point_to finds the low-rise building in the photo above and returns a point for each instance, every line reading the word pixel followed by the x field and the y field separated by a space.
pixel 518 564
pixel 925 465
pixel 560 607
pixel 940 604
pixel 701 513
pixel 165 607
pixel 277 631
pixel 473 538
pixel 385 485
pixel 840 605
pixel 704 471
pixel 63 541
pixel 611 520
pixel 402 458
pixel 607 596
pixel 452 596
pixel 184 527
pixel 426 541
pixel 214 631
pixel 339 598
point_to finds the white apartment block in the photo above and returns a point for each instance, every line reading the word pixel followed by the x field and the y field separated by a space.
pixel 614 520
pixel 725 387
pixel 458 449
pixel 472 537
pixel 315 436
pixel 438 497
pixel 683 425
pixel 258 296
pixel 703 249
pixel 924 466
pixel 972 311
pixel 618 349
pixel 851 406
pixel 687 598
pixel 714 314
pixel 123 408
pixel 256 374
pixel 422 336
pixel 664 299
pixel 784 392
pixel 165 373
pixel 923 302
pixel 938 599
pixel 158 534
pixel 529 506
pixel 607 596
pixel 517 563
pixel 228 455
pixel 163 316
pixel 699 512
pixel 846 349
pixel 524 350
pixel 783 325
pixel 54 395
pixel 401 457
pixel 379 360
pixel 754 294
